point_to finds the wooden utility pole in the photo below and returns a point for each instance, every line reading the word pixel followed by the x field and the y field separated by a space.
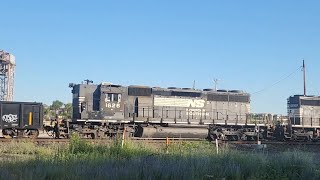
pixel 304 79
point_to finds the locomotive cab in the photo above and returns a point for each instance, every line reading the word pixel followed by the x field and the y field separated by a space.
pixel 97 102
pixel 111 102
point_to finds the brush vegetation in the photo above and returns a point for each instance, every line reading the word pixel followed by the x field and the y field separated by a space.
pixel 82 160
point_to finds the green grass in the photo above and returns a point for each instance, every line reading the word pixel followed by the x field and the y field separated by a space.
pixel 81 160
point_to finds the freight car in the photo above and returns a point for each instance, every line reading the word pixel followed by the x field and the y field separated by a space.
pixel 21 119
pixel 106 109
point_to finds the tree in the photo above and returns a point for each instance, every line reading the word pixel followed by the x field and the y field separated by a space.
pixel 56 106
pixel 68 110
pixel 47 112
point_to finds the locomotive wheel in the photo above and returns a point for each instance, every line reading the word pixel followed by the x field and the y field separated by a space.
pixel 7 133
pixel 307 139
pixel 244 138
pixel 93 136
pixel 213 137
pixel 33 133
pixel 294 137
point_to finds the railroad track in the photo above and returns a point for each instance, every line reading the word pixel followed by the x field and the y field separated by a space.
pixel 293 143
pixel 103 141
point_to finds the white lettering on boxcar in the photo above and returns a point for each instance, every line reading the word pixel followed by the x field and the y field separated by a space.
pixel 10 118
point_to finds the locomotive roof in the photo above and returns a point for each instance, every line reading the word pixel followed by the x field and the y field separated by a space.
pixel 304 97
pixel 178 89
pixel 205 91
pixel 189 89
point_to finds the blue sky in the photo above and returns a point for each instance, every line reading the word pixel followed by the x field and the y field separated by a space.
pixel 248 45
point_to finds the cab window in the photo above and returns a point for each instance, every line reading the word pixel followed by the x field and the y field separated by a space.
pixel 112 97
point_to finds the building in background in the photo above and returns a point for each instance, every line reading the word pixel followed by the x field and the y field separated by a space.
pixel 7 71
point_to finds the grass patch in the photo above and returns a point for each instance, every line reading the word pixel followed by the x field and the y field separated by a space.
pixel 82 160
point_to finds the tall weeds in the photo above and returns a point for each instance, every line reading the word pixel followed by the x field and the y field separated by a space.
pixel 83 160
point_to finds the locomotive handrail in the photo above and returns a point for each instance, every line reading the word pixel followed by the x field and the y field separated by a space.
pixel 188 115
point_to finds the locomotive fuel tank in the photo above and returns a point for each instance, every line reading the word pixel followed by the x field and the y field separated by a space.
pixel 174 132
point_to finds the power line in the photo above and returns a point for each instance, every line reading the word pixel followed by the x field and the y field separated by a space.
pixel 277 82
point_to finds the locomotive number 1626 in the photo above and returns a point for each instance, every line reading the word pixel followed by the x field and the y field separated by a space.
pixel 113 105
